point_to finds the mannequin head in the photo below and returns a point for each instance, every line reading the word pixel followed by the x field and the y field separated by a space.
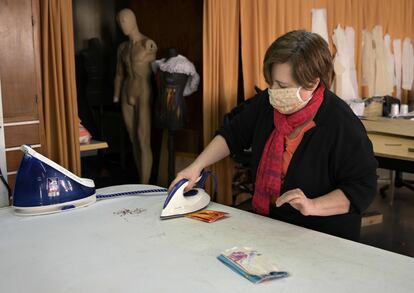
pixel 171 52
pixel 127 21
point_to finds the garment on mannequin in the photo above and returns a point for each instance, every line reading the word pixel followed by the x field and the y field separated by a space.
pixel 133 89
pixel 93 62
pixel 176 77
pixel 90 84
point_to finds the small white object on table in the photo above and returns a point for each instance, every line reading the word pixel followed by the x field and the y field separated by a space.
pixel 99 249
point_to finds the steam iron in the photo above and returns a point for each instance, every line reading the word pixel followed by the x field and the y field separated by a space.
pixel 44 187
pixel 180 203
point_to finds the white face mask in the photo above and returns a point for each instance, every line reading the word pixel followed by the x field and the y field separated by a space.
pixel 287 101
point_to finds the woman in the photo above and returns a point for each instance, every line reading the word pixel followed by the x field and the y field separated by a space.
pixel 313 162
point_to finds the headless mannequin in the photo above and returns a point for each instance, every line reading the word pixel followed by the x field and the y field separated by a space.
pixel 93 62
pixel 170 107
pixel 90 85
pixel 133 85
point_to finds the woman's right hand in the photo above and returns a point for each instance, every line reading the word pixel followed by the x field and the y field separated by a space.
pixel 216 150
pixel 192 172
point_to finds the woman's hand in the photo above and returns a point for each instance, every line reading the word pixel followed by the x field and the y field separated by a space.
pixel 216 150
pixel 297 199
pixel 192 172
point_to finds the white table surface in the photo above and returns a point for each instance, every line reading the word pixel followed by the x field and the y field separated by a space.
pixel 93 249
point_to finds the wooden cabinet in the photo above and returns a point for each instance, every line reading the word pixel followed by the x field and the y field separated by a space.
pixel 20 79
pixel 17 56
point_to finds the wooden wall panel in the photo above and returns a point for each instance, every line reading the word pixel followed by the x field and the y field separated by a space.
pixel 13 159
pixel 21 134
pixel 17 70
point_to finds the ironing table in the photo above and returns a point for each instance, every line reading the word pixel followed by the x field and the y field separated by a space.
pixel 100 248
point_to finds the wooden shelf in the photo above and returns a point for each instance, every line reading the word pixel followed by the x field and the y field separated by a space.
pixel 94 145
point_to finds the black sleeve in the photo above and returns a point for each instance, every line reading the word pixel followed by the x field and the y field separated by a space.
pixel 238 132
pixel 355 165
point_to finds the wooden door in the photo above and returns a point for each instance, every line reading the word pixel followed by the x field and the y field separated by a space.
pixel 20 79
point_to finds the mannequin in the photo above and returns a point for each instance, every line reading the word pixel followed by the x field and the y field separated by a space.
pixel 170 105
pixel 133 86
pixel 93 63
pixel 176 77
pixel 90 85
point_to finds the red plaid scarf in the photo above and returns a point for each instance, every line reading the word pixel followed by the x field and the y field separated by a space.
pixel 269 173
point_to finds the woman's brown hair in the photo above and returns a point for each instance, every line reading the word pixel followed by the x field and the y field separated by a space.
pixel 307 53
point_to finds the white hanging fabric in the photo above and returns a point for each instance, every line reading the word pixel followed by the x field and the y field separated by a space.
pixel 407 64
pixel 389 57
pixel 319 23
pixel 396 44
pixel 350 37
pixel 368 62
pixel 345 81
pixel 383 82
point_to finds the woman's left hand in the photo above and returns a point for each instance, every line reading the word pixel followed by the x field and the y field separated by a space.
pixel 297 199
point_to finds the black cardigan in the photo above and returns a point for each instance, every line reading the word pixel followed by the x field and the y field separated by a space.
pixel 336 154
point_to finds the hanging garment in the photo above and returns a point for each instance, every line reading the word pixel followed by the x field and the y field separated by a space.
pixel 176 78
pixel 389 57
pixel 350 37
pixel 180 64
pixel 407 64
pixel 368 62
pixel 344 65
pixel 396 44
pixel 319 23
pixel 384 84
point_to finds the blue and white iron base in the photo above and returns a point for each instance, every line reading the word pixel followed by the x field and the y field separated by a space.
pixel 44 187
